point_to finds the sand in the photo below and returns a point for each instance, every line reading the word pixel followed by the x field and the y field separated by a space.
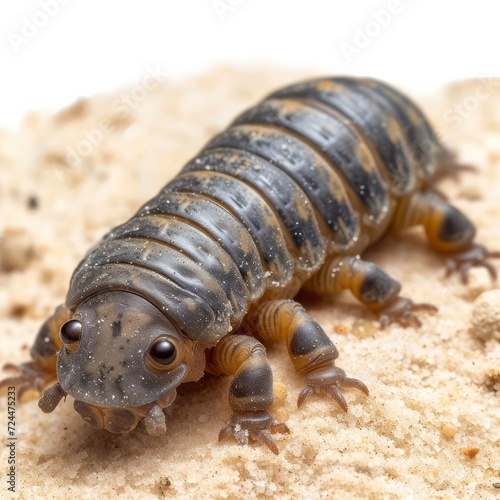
pixel 65 179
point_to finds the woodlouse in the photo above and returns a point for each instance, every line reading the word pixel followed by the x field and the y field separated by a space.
pixel 287 197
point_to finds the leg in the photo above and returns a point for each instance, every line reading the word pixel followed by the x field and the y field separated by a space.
pixel 251 392
pixel 310 349
pixel 372 286
pixel 448 231
pixel 450 166
pixel 41 370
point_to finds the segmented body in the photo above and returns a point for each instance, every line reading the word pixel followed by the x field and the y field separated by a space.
pixel 313 170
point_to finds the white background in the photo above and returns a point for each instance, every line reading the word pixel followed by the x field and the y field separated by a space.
pixel 89 46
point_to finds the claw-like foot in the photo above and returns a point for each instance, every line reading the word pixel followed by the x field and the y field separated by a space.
pixel 401 311
pixel 451 167
pixel 30 377
pixel 474 256
pixel 256 426
pixel 330 380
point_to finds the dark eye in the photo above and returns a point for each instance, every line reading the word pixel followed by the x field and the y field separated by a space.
pixel 71 332
pixel 163 352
